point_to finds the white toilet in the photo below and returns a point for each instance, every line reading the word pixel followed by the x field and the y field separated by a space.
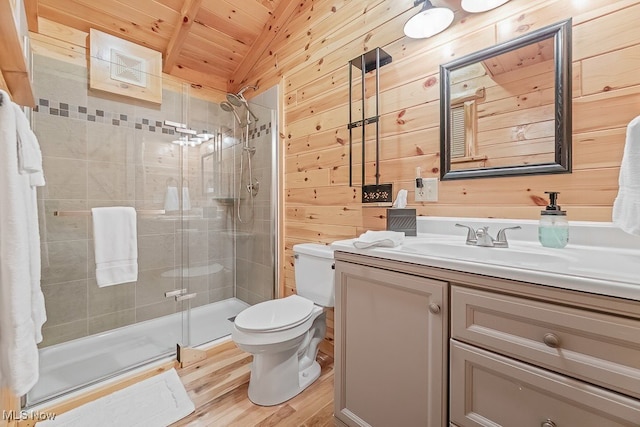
pixel 283 334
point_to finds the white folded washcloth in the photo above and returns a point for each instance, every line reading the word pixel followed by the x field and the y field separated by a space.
pixel 387 239
pixel 171 202
pixel 626 207
pixel 116 245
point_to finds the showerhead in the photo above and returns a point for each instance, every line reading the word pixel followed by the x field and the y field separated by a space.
pixel 235 100
pixel 226 106
pixel 229 108
pixel 238 100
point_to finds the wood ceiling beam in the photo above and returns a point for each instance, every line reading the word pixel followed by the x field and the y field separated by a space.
pixel 188 13
pixel 276 22
pixel 267 3
pixel 31 10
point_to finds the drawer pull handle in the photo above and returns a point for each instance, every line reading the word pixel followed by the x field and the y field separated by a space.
pixel 552 341
pixel 434 308
pixel 548 423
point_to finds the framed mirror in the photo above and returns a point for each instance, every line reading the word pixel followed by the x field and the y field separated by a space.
pixel 506 110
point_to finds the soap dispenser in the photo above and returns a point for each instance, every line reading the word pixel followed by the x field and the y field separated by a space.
pixel 553 231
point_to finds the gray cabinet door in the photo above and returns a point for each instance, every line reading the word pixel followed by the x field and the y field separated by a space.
pixel 390 349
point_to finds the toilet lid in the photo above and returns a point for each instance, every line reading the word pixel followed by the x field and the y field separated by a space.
pixel 275 314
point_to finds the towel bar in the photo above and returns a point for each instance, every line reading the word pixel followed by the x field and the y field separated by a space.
pixel 88 213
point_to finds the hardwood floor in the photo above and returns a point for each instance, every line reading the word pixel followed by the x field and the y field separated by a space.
pixel 218 388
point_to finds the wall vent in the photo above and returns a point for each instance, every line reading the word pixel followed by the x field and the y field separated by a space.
pixel 128 68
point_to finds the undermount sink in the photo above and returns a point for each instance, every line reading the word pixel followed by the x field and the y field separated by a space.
pixel 524 257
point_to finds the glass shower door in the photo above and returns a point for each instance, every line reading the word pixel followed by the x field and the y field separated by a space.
pixel 102 150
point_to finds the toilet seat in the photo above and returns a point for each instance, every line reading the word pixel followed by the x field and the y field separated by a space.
pixel 275 315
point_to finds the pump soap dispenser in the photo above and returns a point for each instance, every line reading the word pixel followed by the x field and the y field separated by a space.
pixel 553 231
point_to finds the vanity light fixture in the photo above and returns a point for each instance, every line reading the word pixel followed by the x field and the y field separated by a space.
pixel 429 21
pixel 477 6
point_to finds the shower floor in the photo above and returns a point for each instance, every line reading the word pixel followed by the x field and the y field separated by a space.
pixel 68 366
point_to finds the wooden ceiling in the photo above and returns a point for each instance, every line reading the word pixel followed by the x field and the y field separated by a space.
pixel 212 42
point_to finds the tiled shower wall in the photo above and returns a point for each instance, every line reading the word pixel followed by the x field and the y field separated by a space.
pixel 102 150
pixel 255 280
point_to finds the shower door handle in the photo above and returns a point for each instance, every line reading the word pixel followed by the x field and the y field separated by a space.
pixel 184 297
pixel 175 293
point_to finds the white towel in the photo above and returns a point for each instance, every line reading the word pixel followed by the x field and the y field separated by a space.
pixel 29 155
pixel 626 207
pixel 186 201
pixel 116 245
pixel 22 310
pixel 388 239
pixel 171 202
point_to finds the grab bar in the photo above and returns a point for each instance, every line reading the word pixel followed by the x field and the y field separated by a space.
pixel 88 213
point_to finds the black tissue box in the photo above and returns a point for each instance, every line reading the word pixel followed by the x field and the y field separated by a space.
pixel 402 220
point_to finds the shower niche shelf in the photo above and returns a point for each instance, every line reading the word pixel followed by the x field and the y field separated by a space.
pixel 373 195
pixel 224 200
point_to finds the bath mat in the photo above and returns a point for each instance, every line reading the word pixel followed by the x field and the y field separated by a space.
pixel 155 402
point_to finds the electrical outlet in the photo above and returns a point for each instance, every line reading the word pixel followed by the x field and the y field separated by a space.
pixel 428 192
pixel 420 193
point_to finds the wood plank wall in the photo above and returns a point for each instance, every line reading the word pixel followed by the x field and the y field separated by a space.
pixel 310 57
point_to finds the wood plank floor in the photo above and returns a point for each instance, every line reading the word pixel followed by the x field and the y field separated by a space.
pixel 218 388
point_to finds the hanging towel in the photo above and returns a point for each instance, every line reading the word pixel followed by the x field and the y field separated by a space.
pixel 186 201
pixel 388 239
pixel 30 163
pixel 22 310
pixel 171 202
pixel 116 245
pixel 29 155
pixel 626 207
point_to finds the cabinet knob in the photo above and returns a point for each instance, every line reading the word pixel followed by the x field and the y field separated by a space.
pixel 551 340
pixel 434 308
pixel 548 423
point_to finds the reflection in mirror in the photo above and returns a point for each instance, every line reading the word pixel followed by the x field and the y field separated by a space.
pixel 506 110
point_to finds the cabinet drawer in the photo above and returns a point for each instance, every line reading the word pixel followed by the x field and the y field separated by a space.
pixel 596 347
pixel 491 390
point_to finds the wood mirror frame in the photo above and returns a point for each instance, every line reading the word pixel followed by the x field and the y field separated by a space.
pixel 559 36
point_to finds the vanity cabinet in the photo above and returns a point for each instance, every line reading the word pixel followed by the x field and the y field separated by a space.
pixel 516 353
pixel 391 348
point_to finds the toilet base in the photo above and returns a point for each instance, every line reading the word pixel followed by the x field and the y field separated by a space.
pixel 273 388
pixel 282 369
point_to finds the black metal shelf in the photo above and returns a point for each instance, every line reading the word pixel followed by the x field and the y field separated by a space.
pixel 380 194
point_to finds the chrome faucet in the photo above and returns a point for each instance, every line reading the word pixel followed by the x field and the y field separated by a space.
pixel 481 237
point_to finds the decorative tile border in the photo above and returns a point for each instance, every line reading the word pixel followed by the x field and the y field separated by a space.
pixel 257 131
pixel 79 112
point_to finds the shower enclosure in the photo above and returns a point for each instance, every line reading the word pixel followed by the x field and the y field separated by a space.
pixel 205 246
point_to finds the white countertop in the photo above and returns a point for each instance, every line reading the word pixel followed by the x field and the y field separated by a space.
pixel 610 267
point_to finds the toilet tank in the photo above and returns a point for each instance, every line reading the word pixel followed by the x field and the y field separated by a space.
pixel 314 271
